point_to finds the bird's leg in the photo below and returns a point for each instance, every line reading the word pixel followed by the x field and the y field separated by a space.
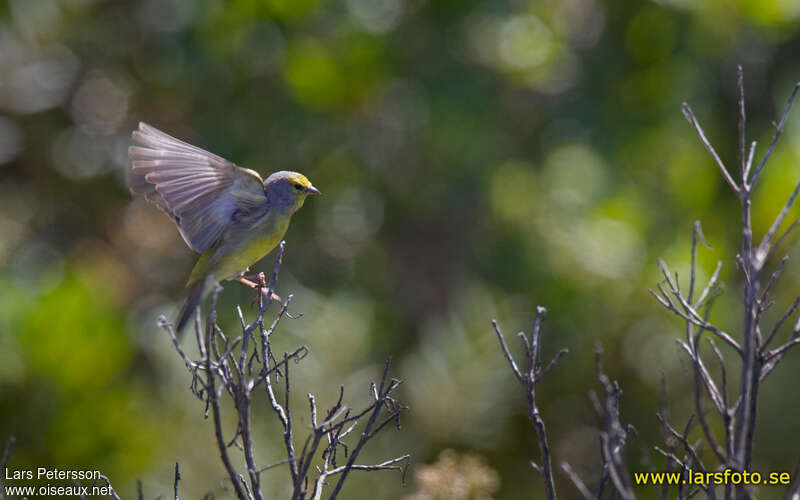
pixel 259 277
pixel 261 283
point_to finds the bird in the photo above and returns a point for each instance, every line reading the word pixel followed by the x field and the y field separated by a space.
pixel 226 213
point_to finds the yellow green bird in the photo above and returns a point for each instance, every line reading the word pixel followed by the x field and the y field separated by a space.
pixel 226 213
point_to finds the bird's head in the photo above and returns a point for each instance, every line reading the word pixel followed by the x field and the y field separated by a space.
pixel 287 191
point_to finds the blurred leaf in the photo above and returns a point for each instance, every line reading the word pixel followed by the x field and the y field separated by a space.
pixel 75 338
pixel 314 78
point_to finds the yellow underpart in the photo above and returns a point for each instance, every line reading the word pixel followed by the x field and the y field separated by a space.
pixel 231 257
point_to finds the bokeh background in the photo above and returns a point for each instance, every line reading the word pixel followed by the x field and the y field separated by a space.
pixel 476 159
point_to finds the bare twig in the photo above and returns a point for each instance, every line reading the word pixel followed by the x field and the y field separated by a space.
pixel 773 278
pixel 553 362
pixel 669 441
pixel 175 483
pixel 687 112
pixel 750 159
pixel 779 241
pixel 781 351
pixel 766 244
pixel 780 323
pixel 687 312
pixel 682 438
pixel 113 492
pixel 213 402
pixel 778 130
pixel 387 465
pixel 613 435
pixel 283 415
pixel 742 122
pixel 700 374
pixel 382 399
pixel 506 352
pixel 793 491
pixel 528 379
pixel 4 463
pixel 709 291
pixel 576 480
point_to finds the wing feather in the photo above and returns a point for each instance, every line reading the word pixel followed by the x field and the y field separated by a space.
pixel 199 190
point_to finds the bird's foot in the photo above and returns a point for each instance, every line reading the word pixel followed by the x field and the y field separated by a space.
pixel 259 278
pixel 258 281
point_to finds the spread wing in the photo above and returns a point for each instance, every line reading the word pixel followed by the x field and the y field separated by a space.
pixel 200 191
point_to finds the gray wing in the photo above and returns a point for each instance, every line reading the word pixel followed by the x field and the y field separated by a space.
pixel 200 191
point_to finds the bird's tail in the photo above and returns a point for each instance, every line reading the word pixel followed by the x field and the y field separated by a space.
pixel 194 296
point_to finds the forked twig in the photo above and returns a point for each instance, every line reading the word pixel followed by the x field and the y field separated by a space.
pixel 533 373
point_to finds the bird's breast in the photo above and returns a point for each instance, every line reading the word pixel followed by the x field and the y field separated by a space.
pixel 253 244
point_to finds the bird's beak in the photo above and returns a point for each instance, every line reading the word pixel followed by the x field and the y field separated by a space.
pixel 312 190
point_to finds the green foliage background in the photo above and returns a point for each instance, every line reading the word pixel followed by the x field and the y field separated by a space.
pixel 476 159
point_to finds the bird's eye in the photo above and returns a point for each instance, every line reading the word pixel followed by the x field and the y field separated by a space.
pixel 298 187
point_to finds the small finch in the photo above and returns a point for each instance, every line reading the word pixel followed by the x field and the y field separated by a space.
pixel 226 213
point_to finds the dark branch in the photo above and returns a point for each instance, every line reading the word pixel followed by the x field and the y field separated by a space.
pixel 576 480
pixel 528 379
pixel 778 130
pixel 177 478
pixel 687 112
